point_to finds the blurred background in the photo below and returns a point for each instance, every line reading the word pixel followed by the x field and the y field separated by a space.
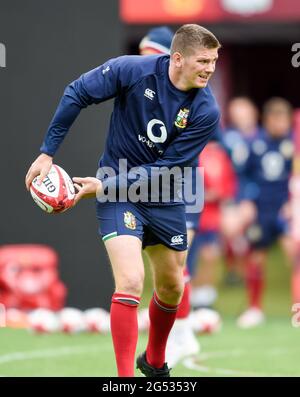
pixel 59 261
pixel 48 45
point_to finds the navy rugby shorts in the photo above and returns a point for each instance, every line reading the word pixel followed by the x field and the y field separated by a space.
pixel 268 227
pixel 165 224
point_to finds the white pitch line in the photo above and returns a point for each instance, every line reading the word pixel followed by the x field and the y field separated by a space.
pixel 232 353
pixel 191 363
pixel 46 353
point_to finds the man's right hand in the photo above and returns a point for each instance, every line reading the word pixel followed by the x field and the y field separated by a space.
pixel 40 167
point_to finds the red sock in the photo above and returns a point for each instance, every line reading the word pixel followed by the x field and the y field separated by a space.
pixel 124 330
pixel 254 283
pixel 184 306
pixel 162 317
pixel 229 256
pixel 296 281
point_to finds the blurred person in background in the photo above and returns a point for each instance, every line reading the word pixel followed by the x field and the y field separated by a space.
pixel 268 167
pixel 219 189
pixel 182 342
pixel 243 128
pixel 157 41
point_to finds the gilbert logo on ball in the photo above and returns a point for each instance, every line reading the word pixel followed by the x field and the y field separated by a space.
pixel 56 193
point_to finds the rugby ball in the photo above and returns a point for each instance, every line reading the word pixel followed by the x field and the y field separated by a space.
pixel 205 321
pixel 97 320
pixel 143 320
pixel 56 193
pixel 71 320
pixel 43 321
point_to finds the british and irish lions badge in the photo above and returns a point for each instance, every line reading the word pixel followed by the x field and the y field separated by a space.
pixel 181 118
pixel 129 220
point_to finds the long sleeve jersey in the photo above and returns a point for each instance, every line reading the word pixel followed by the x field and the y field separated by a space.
pixel 153 124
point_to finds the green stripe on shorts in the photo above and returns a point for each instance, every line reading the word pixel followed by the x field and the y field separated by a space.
pixel 110 235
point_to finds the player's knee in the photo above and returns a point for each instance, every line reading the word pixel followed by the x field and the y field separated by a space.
pixel 170 293
pixel 131 285
pixel 210 253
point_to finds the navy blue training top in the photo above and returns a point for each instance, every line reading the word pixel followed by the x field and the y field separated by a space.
pixel 268 167
pixel 153 124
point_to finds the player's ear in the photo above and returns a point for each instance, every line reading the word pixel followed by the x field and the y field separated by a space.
pixel 177 59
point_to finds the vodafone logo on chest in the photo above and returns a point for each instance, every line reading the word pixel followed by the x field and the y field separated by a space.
pixel 156 133
pixel 157 138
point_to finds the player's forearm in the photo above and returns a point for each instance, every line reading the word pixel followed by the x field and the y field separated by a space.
pixel 74 99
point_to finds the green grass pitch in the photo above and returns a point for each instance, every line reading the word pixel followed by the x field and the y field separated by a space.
pixel 272 349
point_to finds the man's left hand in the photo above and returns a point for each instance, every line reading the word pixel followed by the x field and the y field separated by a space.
pixel 87 188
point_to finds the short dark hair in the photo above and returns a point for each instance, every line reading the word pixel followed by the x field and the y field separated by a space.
pixel 191 36
pixel 277 105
